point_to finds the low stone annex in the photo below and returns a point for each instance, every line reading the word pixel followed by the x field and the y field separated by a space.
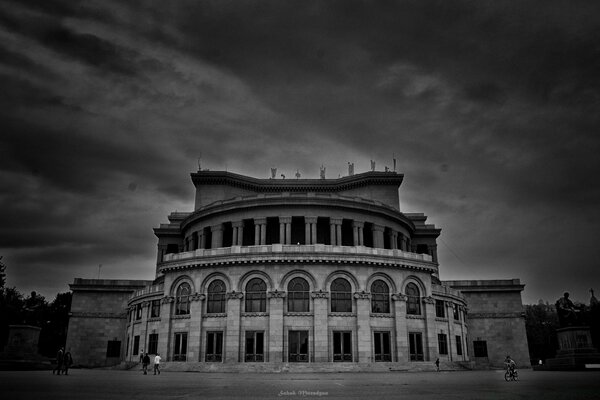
pixel 289 272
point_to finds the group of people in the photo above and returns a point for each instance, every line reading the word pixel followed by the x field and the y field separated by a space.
pixel 63 362
pixel 145 360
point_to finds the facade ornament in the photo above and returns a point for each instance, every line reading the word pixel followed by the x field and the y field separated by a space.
pixel 428 300
pixel 277 294
pixel 198 296
pixel 320 295
pixel 322 172
pixel 372 165
pixel 168 299
pixel 350 168
pixel 235 295
pixel 298 175
pixel 362 295
pixel 145 304
pixel 399 297
pixel 273 173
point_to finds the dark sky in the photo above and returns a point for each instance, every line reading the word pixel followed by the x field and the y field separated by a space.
pixel 492 109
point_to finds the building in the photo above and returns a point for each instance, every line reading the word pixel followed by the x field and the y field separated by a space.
pixel 283 271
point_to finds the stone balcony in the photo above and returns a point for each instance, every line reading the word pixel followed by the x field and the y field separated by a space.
pixel 281 253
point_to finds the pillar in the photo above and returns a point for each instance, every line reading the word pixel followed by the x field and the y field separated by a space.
pixel 402 345
pixel 238 233
pixel 357 230
pixel 336 231
pixel 320 326
pixel 393 240
pixel 402 242
pixel 433 248
pixel 195 327
pixel 431 339
pixel 310 230
pixel 217 236
pixel 276 331
pixel 201 240
pixel 232 336
pixel 260 231
pixel 164 328
pixel 160 255
pixel 451 334
pixel 285 230
pixel 363 326
pixel 378 236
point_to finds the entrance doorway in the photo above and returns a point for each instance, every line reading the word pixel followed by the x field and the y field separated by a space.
pixel 298 346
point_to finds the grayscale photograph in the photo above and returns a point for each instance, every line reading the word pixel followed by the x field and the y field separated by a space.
pixel 289 199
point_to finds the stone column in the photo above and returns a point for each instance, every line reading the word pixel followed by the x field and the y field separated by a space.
pixel 357 231
pixel 232 336
pixel 393 240
pixel 164 328
pixel 260 231
pixel 238 233
pixel 310 224
pixel 276 332
pixel 285 230
pixel 217 236
pixel 320 326
pixel 332 231
pixel 256 233
pixel 433 248
pixel 202 239
pixel 160 254
pixel 378 236
pixel 336 231
pixel 363 326
pixel 451 338
pixel 402 242
pixel 195 327
pixel 431 339
pixel 402 346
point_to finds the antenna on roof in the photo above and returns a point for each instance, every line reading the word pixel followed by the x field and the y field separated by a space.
pixel 200 163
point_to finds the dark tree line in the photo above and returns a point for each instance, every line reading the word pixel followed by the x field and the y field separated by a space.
pixel 52 317
pixel 541 322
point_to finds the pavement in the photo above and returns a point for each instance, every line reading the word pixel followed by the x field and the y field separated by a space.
pixel 109 384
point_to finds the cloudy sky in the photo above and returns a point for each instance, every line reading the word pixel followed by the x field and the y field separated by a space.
pixel 491 108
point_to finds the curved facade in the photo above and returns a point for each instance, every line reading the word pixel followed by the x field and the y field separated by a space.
pixel 298 271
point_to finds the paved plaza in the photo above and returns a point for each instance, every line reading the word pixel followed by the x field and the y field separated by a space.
pixel 105 384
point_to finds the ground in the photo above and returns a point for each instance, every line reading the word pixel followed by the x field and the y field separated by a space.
pixel 105 384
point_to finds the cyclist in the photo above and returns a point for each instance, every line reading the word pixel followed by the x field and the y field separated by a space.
pixel 510 364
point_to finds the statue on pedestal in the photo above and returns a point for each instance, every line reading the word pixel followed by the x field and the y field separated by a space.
pixel 568 313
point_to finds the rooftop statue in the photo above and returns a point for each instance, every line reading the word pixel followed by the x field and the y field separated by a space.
pixel 568 313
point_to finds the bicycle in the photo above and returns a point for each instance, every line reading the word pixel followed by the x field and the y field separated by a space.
pixel 511 375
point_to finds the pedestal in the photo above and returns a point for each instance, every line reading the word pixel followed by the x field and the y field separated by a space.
pixel 576 351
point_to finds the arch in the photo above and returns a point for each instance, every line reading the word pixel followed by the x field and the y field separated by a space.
pixel 380 297
pixel 341 295
pixel 341 274
pixel 253 274
pixel 211 277
pixel 256 295
pixel 298 295
pixel 215 297
pixel 295 273
pixel 178 281
pixel 385 277
pixel 413 303
pixel 182 298
pixel 417 281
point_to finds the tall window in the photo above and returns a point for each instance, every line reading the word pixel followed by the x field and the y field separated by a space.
pixel 440 311
pixel 153 343
pixel 380 297
pixel 138 312
pixel 182 299
pixel 413 304
pixel 136 345
pixel 180 350
pixel 155 309
pixel 216 297
pixel 442 343
pixel 255 346
pixel 415 341
pixel 480 348
pixel 256 296
pixel 382 346
pixel 342 346
pixel 214 347
pixel 298 295
pixel 341 296
pixel 458 345
pixel 298 346
pixel 456 312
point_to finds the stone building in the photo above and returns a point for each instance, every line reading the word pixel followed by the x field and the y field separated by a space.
pixel 312 272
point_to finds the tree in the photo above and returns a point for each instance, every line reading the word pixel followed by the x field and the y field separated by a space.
pixel 541 322
pixel 2 273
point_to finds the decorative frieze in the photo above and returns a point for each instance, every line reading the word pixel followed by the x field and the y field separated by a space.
pixel 215 315
pixel 342 314
pixel 168 299
pixel 298 314
pixel 320 295
pixel 235 295
pixel 198 297
pixel 276 294
pixel 182 316
pixel 255 314
pixel 380 315
pixel 362 295
pixel 428 300
pixel 399 297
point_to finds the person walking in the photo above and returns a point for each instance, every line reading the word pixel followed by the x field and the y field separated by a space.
pixel 67 361
pixel 157 364
pixel 59 361
pixel 145 362
pixel 437 365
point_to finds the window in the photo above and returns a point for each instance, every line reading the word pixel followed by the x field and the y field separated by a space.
pixel 458 345
pixel 380 297
pixel 413 305
pixel 480 348
pixel 256 296
pixel 442 343
pixel 455 311
pixel 255 346
pixel 298 295
pixel 182 299
pixel 113 348
pixel 136 345
pixel 440 311
pixel 172 248
pixel 214 347
pixel 382 346
pixel 216 297
pixel 180 351
pixel 342 346
pixel 138 312
pixel 298 346
pixel 341 296
pixel 155 309
pixel 415 341
pixel 153 343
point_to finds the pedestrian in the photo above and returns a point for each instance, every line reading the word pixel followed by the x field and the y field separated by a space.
pixel 59 361
pixel 142 356
pixel 145 362
pixel 157 364
pixel 67 362
pixel 437 365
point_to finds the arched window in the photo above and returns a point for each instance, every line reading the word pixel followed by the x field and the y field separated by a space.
pixel 380 297
pixel 298 295
pixel 216 297
pixel 413 304
pixel 341 296
pixel 256 296
pixel 182 299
